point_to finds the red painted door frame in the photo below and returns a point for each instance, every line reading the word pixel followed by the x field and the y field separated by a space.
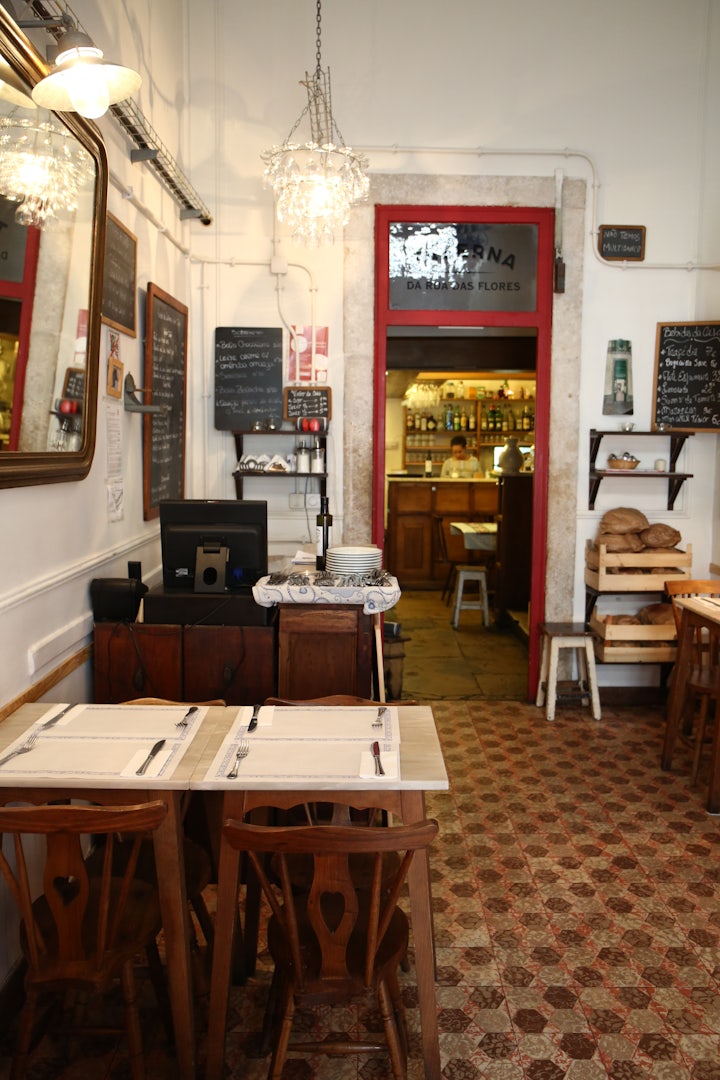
pixel 540 319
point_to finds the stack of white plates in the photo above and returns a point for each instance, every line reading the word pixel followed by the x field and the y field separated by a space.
pixel 353 560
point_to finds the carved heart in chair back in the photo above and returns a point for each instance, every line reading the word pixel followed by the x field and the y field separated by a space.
pixel 67 888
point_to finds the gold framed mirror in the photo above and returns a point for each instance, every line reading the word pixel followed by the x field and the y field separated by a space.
pixel 53 202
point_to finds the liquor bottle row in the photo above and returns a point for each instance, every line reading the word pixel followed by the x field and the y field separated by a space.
pixel 453 417
pixel 504 416
pixel 494 415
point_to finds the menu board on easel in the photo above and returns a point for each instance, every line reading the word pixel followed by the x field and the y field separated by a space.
pixel 165 376
pixel 686 393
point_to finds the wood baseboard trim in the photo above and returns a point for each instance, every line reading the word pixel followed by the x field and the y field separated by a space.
pixel 44 685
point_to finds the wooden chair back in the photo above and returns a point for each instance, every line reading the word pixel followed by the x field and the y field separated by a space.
pixel 684 587
pixel 318 927
pixel 82 931
pixel 340 700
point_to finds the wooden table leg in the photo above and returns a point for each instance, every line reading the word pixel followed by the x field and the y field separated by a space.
pixel 225 926
pixel 413 810
pixel 677 693
pixel 169 860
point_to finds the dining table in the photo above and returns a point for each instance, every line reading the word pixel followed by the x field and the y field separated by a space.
pixel 91 753
pixel 697 613
pixel 304 755
pixel 477 535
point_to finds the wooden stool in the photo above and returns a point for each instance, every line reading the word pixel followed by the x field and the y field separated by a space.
pixel 470 573
pixel 556 636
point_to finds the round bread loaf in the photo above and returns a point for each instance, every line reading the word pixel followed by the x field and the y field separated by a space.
pixel 617 542
pixel 623 520
pixel 660 536
pixel 657 614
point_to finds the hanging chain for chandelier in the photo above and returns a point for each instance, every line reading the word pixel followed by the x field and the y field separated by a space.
pixel 317 182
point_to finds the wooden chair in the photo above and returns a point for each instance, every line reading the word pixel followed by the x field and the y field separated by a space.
pixel 334 943
pixel 701 686
pixel 82 932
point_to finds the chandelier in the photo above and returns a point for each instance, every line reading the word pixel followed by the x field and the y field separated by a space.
pixel 316 182
pixel 42 167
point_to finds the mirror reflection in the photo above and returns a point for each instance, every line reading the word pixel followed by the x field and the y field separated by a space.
pixel 53 191
pixel 47 181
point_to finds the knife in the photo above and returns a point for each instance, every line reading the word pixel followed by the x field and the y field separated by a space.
pixel 155 750
pixel 379 771
pixel 54 719
pixel 254 718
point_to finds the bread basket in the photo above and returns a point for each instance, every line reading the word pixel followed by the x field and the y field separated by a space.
pixel 628 462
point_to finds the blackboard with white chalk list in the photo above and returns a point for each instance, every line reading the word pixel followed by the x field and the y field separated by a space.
pixel 248 376
pixel 165 375
pixel 686 394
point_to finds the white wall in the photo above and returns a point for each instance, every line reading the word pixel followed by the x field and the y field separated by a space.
pixel 633 85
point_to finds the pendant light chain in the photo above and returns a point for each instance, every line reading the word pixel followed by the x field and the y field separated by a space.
pixel 318 40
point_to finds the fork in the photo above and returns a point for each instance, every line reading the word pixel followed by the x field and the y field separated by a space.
pixel 380 718
pixel 242 752
pixel 191 712
pixel 27 745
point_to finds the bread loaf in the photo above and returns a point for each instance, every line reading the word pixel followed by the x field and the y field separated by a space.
pixel 660 536
pixel 615 542
pixel 623 520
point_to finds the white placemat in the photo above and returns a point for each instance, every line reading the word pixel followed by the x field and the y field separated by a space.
pixel 124 721
pixel 89 759
pixel 307 763
pixel 353 722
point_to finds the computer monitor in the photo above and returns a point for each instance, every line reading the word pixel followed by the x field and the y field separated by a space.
pixel 213 545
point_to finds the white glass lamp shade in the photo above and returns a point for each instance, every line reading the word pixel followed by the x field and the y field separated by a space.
pixel 82 82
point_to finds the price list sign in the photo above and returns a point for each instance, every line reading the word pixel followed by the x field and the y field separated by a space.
pixel 686 393
pixel 248 376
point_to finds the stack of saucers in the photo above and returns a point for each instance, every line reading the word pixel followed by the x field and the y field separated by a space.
pixel 353 560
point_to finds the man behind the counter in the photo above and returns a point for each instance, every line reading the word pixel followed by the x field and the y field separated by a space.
pixel 461 463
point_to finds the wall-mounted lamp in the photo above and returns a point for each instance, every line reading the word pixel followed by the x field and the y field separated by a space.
pixel 82 81
pixel 130 400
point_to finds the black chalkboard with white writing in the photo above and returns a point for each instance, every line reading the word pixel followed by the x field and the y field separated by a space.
pixel 165 374
pixel 686 394
pixel 622 242
pixel 119 277
pixel 248 376
pixel 302 401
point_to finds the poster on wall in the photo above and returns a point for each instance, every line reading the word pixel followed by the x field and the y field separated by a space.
pixel 303 366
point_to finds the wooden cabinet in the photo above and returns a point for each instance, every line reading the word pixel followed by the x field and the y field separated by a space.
pixel 183 663
pixel 324 649
pixel 416 509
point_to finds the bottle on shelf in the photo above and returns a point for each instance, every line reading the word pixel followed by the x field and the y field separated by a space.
pixel 526 424
pixel 463 419
pixel 456 418
pixel 483 418
pixel 472 420
pixel 428 465
pixel 323 524
pixel 449 418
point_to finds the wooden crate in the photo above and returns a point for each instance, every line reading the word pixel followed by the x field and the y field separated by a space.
pixel 627 571
pixel 633 643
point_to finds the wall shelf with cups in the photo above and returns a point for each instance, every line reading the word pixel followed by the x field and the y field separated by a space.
pixel 675 480
pixel 313 466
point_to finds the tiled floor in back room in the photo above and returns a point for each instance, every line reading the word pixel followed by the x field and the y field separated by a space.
pixel 577 914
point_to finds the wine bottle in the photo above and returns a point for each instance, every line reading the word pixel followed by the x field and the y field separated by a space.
pixel 323 533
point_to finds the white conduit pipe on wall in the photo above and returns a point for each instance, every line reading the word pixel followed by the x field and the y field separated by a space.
pixel 565 152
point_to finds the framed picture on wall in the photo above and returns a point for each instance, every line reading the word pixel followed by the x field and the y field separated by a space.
pixel 119 278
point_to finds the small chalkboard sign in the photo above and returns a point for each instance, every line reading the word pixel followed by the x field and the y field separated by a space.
pixel 311 401
pixel 686 393
pixel 248 376
pixel 165 371
pixel 625 243
pixel 74 384
pixel 119 277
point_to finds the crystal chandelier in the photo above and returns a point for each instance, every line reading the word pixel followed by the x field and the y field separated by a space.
pixel 316 182
pixel 42 167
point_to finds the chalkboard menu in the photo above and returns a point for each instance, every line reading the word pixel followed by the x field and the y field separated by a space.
pixel 119 277
pixel 622 242
pixel 302 401
pixel 165 371
pixel 248 376
pixel 74 384
pixel 686 394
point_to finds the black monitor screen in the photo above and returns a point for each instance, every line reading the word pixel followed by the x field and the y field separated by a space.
pixel 213 545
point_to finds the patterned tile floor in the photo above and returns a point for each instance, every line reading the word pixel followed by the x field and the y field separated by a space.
pixel 577 915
